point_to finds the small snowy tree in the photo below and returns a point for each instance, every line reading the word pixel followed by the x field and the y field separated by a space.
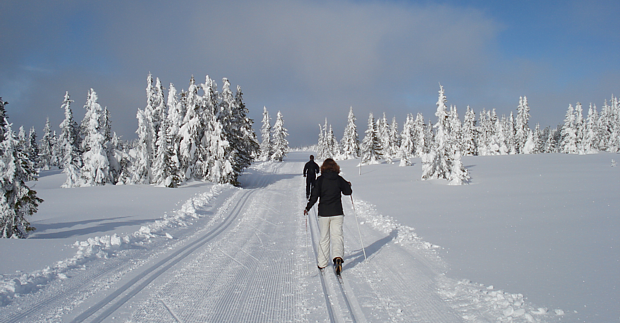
pixel 46 153
pixel 69 143
pixel 350 139
pixel 444 159
pixel 522 129
pixel 191 132
pixel 17 200
pixel 96 168
pixel 408 141
pixel 265 145
pixel 371 145
pixel 568 145
pixel 469 133
pixel 279 134
pixel 590 140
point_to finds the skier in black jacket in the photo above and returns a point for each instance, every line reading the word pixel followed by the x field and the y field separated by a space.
pixel 329 188
pixel 311 169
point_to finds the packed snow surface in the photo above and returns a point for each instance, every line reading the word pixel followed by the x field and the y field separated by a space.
pixel 532 238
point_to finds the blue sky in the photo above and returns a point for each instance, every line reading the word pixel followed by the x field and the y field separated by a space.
pixel 311 59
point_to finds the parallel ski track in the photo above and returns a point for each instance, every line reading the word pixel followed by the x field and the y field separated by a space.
pixel 135 285
pixel 330 309
pixel 59 296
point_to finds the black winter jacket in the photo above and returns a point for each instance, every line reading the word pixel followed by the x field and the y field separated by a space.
pixel 329 187
pixel 311 169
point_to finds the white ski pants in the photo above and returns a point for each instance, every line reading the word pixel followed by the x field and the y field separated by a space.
pixel 331 230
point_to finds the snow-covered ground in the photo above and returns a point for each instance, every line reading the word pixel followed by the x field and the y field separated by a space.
pixel 532 238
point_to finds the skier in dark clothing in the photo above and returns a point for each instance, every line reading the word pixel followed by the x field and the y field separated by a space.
pixel 311 169
pixel 329 188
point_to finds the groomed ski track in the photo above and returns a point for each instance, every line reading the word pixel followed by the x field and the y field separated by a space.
pixel 254 261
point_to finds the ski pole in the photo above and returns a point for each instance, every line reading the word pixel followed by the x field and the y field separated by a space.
pixel 358 228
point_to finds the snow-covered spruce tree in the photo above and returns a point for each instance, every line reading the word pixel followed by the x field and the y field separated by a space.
pixel 165 172
pixel 69 147
pixel 46 152
pixel 421 135
pixel 33 147
pixel 17 200
pixel 444 159
pixel 145 145
pixel 522 129
pixel 613 129
pixel 96 168
pixel 190 133
pixel 511 135
pixel 3 117
pixel 530 145
pixel 482 142
pixel 383 133
pixel 579 127
pixel 324 147
pixel 394 138
pixel 408 140
pixel 218 155
pixel 279 134
pixel 265 145
pixel 334 144
pixel 551 144
pixel 371 145
pixel 568 145
pixel 350 140
pixel 499 141
pixel 590 140
pixel 329 141
pixel 456 135
pixel 469 133
pixel 245 143
pixel 159 108
pixel 605 126
pixel 437 163
pixel 321 146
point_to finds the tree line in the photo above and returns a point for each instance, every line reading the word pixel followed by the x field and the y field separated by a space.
pixel 440 145
pixel 199 134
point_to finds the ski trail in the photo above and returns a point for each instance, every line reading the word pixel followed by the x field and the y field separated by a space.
pixel 249 273
pixel 118 298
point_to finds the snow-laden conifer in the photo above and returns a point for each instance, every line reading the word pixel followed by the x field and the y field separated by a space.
pixel 17 200
pixel 265 145
pixel 68 141
pixel 371 145
pixel 350 139
pixel 579 128
pixel 3 117
pixel 422 135
pixel 469 133
pixel 279 134
pixel 190 133
pixel 444 159
pixel 590 140
pixel 568 145
pixel 96 167
pixel 408 142
pixel 245 144
pixel 499 141
pixel 522 129
pixel 325 146
pixel 437 163
pixel 383 133
pixel 394 139
pixel 46 152
pixel 33 147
